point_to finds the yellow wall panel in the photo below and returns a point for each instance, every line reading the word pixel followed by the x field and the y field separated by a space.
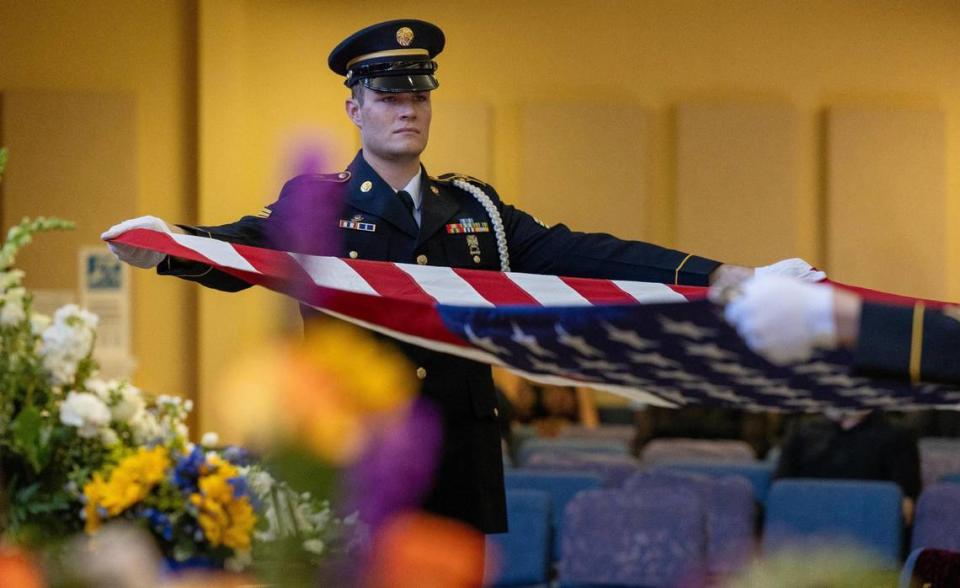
pixel 460 139
pixel 737 181
pixel 74 156
pixel 887 200
pixel 147 49
pixel 586 165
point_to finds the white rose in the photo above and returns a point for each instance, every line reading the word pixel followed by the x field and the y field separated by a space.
pixel 314 546
pixel 145 427
pixel 210 439
pixel 86 412
pixel 129 405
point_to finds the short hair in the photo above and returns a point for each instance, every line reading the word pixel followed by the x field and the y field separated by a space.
pixel 356 92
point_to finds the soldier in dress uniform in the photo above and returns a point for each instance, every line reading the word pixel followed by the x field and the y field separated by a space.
pixel 394 211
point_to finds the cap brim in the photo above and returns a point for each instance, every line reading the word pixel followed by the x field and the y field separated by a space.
pixel 408 83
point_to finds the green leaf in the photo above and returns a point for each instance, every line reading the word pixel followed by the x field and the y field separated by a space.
pixel 28 436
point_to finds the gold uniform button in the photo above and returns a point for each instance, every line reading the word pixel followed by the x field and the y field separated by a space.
pixel 435 190
pixel 366 186
pixel 496 412
pixel 422 259
pixel 476 259
pixel 421 372
pixel 353 254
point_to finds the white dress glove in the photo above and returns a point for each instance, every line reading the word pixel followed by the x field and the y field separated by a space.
pixel 793 268
pixel 784 319
pixel 135 256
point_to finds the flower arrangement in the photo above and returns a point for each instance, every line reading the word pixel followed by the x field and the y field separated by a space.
pixel 78 451
pixel 335 414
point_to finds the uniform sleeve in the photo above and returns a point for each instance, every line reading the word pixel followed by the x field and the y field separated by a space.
pixel 916 343
pixel 249 230
pixel 558 250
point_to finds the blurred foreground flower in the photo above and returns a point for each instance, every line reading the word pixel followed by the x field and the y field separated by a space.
pixel 826 566
pixel 18 570
pixel 326 393
pixel 417 550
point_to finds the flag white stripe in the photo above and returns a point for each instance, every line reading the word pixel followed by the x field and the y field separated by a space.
pixel 649 293
pixel 219 252
pixel 445 285
pixel 331 272
pixel 548 290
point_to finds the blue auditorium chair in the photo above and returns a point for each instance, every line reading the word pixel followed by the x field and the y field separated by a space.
pixel 567 444
pixel 612 467
pixel 729 513
pixel 937 520
pixel 522 555
pixel 618 538
pixel 562 486
pixel 804 512
pixel 758 473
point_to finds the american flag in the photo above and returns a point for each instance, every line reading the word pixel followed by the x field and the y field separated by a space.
pixel 652 343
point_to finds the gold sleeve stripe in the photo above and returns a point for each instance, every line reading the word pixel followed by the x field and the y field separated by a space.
pixel 676 273
pixel 916 342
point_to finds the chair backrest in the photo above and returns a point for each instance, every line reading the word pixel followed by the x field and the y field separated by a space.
pixel 566 444
pixel 804 512
pixel 758 473
pixel 615 537
pixel 729 513
pixel 658 450
pixel 613 468
pixel 521 556
pixel 937 520
pixel 623 433
pixel 562 486
pixel 939 456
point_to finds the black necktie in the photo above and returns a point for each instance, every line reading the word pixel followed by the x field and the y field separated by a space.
pixel 407 200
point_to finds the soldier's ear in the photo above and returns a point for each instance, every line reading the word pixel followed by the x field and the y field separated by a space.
pixel 353 111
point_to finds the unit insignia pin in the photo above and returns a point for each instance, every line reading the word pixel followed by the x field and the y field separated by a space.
pixel 404 36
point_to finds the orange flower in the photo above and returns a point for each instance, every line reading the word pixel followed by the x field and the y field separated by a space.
pixel 417 550
pixel 17 570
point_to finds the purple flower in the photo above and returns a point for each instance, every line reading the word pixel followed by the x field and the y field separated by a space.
pixel 396 469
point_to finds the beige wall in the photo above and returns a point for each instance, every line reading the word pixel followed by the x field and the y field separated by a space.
pixel 223 90
pixel 146 49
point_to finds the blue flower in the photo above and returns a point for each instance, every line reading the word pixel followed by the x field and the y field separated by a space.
pixel 159 522
pixel 238 455
pixel 187 471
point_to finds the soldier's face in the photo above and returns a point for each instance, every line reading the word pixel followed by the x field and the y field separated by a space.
pixel 393 125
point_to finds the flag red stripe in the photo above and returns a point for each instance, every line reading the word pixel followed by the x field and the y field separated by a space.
pixel 390 281
pixel 599 291
pixel 496 287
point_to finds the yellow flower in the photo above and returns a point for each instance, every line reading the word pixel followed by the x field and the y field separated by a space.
pixel 225 519
pixel 327 393
pixel 92 491
pixel 129 483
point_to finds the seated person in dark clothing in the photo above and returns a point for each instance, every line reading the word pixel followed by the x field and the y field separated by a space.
pixel 859 446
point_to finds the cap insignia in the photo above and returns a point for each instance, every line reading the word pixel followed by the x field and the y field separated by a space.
pixel 404 36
